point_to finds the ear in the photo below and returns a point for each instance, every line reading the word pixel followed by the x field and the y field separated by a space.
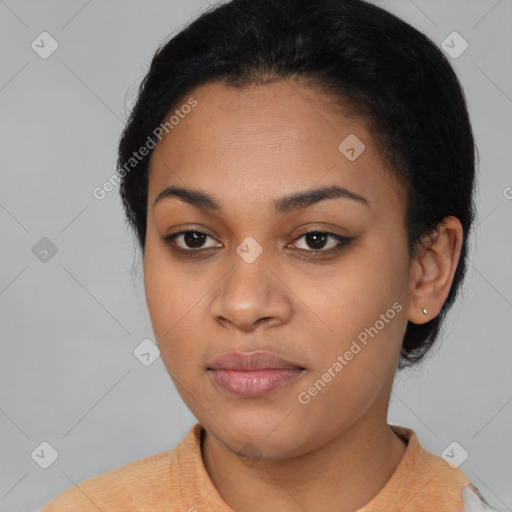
pixel 433 269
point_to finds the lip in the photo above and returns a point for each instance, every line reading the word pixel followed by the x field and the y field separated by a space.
pixel 254 374
pixel 255 383
pixel 257 360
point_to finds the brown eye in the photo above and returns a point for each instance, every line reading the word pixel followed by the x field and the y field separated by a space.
pixel 194 239
pixel 317 240
pixel 189 241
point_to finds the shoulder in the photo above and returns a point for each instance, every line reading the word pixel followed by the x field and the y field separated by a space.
pixel 431 480
pixel 165 481
pixel 474 501
pixel 450 480
pixel 117 489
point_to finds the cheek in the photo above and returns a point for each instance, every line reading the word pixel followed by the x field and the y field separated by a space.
pixel 158 286
pixel 356 367
pixel 354 295
pixel 174 302
pixel 363 304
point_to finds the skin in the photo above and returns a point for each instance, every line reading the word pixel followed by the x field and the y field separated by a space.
pixel 247 147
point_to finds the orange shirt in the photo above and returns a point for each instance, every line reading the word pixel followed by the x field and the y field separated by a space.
pixel 176 480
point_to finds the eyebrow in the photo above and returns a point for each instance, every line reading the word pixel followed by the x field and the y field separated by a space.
pixel 283 205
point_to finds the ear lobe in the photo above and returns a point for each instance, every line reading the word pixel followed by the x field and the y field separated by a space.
pixel 433 270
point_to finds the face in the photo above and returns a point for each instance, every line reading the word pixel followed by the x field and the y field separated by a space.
pixel 237 271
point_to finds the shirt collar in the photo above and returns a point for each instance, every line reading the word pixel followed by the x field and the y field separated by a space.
pixel 191 479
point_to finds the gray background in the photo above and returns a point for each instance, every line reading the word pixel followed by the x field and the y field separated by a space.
pixel 70 325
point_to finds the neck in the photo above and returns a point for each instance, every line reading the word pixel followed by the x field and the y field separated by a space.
pixel 342 475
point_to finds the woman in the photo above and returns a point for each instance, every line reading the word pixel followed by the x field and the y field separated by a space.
pixel 300 178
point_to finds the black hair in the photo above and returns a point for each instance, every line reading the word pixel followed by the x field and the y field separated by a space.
pixel 379 67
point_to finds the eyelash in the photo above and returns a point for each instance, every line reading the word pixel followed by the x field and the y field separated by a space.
pixel 342 242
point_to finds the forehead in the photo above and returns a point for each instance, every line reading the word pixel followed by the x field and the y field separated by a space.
pixel 261 141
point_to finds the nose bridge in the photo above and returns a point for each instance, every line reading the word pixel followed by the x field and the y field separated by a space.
pixel 250 291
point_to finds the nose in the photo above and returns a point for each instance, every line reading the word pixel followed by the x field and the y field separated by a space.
pixel 251 295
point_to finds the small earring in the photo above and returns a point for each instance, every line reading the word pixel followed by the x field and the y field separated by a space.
pixel 425 312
